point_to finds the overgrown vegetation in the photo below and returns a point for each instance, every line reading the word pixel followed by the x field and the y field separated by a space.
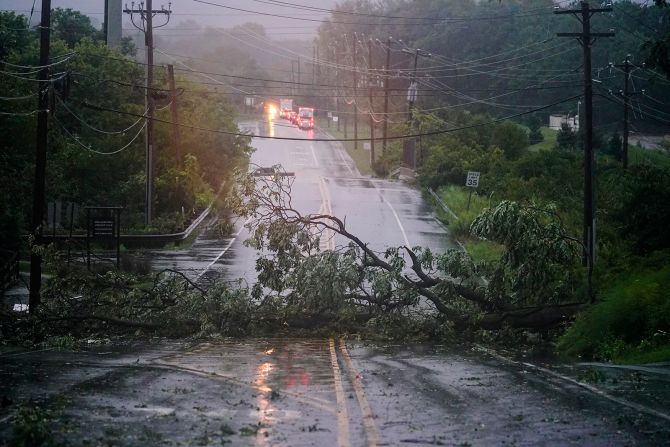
pixel 96 154
pixel 631 323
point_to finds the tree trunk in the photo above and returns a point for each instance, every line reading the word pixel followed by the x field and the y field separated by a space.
pixel 541 317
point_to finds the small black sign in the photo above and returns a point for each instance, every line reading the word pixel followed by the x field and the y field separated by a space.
pixel 104 228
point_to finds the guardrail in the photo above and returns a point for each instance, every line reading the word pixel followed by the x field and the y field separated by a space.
pixel 9 271
pixel 148 240
pixel 442 204
pixel 143 240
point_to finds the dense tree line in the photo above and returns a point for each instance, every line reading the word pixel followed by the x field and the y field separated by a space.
pixel 502 58
pixel 96 149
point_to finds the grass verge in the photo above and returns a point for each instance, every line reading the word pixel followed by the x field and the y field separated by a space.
pixel 467 206
pixel 360 156
pixel 639 155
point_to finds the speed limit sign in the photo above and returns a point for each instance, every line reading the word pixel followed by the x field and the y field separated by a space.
pixel 472 181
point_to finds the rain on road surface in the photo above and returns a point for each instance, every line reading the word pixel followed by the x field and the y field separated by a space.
pixel 306 392
pixel 381 212
pixel 324 392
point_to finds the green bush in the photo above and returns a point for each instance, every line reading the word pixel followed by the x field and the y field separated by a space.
pixel 633 318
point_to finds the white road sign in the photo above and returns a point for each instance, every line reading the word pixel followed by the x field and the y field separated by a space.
pixel 473 179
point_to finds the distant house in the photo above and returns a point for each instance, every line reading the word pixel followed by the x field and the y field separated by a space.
pixel 557 121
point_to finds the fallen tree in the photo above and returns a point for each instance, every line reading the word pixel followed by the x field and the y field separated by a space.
pixel 532 285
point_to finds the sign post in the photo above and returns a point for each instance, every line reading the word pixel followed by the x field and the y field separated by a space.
pixel 472 181
pixel 103 225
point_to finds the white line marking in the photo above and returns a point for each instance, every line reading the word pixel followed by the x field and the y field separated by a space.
pixel 397 219
pixel 316 161
pixel 351 171
pixel 591 388
pixel 223 252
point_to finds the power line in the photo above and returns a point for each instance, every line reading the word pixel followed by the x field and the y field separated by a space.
pixel 437 20
pixel 400 137
pixel 95 129
pixel 89 148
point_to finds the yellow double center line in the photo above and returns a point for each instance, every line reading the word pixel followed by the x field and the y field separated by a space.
pixel 327 236
pixel 371 430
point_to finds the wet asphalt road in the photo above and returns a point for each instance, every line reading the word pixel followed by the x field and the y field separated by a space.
pixel 381 212
pixel 305 392
pixel 301 392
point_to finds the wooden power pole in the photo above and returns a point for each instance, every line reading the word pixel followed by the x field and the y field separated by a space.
pixel 40 156
pixel 174 110
pixel 387 79
pixel 146 14
pixel 626 94
pixel 586 39
pixel 370 104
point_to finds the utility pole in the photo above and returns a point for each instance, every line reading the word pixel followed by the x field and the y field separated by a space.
pixel 40 157
pixel 387 78
pixel 355 79
pixel 586 39
pixel 176 131
pixel 318 66
pixel 337 83
pixel 293 86
pixel 146 25
pixel 329 64
pixel 626 67
pixel 412 90
pixel 299 78
pixel 343 85
pixel 372 118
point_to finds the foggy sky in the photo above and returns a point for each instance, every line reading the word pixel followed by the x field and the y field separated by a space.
pixel 205 15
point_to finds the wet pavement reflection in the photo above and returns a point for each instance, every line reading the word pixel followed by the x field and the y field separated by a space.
pixel 303 392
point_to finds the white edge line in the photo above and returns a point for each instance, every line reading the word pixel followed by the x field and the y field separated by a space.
pixel 591 388
pixel 223 252
pixel 316 161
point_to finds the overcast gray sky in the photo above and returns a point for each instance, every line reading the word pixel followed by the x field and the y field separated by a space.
pixel 206 15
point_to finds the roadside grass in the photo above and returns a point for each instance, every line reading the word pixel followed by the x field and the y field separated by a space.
pixel 635 357
pixel 483 251
pixel 548 143
pixel 629 324
pixel 639 155
pixel 360 156
pixel 456 198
